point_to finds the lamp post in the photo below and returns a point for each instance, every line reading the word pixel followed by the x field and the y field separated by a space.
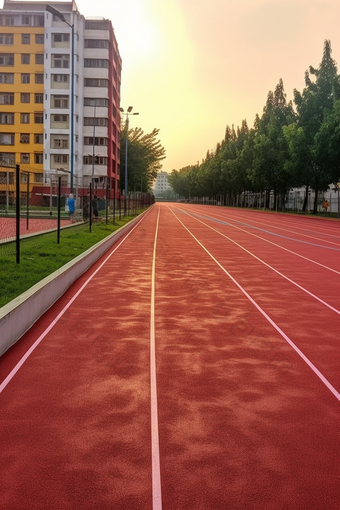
pixel 127 113
pixel 59 15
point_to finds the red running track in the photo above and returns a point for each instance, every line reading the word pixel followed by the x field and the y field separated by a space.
pixel 8 226
pixel 195 366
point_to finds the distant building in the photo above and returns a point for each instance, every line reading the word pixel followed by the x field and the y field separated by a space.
pixel 162 187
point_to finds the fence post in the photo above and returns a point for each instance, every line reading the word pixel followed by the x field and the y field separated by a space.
pixel 59 206
pixel 107 204
pixel 17 211
pixel 28 201
pixel 114 203
pixel 90 208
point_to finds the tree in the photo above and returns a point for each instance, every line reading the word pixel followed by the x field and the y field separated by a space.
pixel 286 148
pixel 145 154
pixel 327 144
pixel 313 106
pixel 270 145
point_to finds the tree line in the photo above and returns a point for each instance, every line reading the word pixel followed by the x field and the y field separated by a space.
pixel 293 144
pixel 145 153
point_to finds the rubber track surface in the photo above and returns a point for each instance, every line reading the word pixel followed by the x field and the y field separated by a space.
pixel 246 329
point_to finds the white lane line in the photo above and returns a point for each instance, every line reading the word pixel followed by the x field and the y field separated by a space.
pixel 275 244
pixel 269 266
pixel 270 225
pixel 278 329
pixel 54 322
pixel 156 470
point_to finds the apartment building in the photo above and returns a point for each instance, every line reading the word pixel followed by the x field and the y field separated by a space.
pixel 162 185
pixel 59 95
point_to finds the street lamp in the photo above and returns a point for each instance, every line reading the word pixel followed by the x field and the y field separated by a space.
pixel 59 15
pixel 127 113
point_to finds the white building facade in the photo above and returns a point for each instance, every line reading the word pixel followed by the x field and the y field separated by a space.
pixel 162 186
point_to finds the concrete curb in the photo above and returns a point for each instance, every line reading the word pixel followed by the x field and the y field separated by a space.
pixel 22 312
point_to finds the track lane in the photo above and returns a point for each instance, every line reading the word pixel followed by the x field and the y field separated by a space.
pixel 297 314
pixel 267 302
pixel 289 245
pixel 290 225
pixel 12 357
pixel 294 271
pixel 305 271
pixel 84 396
pixel 244 423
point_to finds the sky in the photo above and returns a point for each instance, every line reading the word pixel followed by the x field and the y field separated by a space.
pixel 192 67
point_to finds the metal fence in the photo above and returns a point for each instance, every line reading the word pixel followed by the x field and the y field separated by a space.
pixel 28 207
pixel 328 202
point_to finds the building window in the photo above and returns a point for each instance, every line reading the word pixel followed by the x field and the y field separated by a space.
pixel 38 118
pixel 60 158
pixel 25 20
pixel 96 101
pixel 38 158
pixel 25 39
pixel 6 39
pixel 6 178
pixel 98 140
pixel 60 118
pixel 25 118
pixel 25 78
pixel 25 98
pixel 60 78
pixel 24 158
pixel 6 21
pixel 39 98
pixel 96 62
pixel 39 38
pixel 97 25
pixel 98 160
pixel 6 98
pixel 7 157
pixel 60 61
pixel 60 38
pixel 25 58
pixel 6 77
pixel 6 59
pixel 96 82
pixel 6 118
pixel 24 138
pixel 39 78
pixel 39 21
pixel 6 138
pixel 38 177
pixel 39 58
pixel 96 121
pixel 59 101
pixel 38 138
pixel 96 43
pixel 58 142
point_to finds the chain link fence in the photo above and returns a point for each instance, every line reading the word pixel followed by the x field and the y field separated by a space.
pixel 297 200
pixel 28 207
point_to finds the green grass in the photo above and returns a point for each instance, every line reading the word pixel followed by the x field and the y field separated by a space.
pixel 42 255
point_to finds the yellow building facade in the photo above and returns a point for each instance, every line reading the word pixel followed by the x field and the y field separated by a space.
pixel 21 99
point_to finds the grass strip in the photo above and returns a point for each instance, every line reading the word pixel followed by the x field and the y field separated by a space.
pixel 41 255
